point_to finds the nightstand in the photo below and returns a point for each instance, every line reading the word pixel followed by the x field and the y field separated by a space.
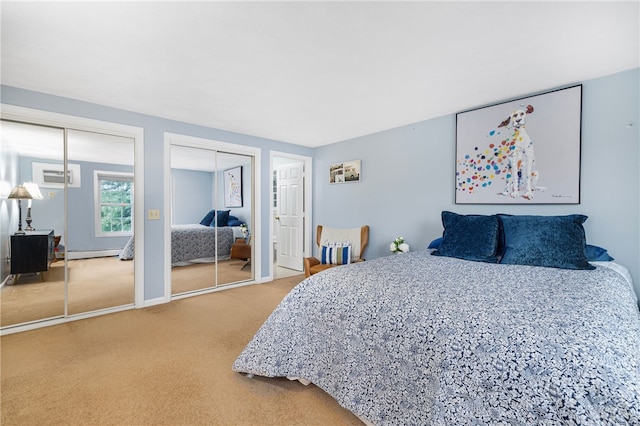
pixel 241 250
pixel 31 252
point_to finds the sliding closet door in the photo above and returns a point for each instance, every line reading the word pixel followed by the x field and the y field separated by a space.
pixel 100 213
pixel 235 195
pixel 34 280
pixel 193 240
pixel 211 197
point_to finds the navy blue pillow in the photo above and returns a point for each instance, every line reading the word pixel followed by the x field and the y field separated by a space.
pixel 470 237
pixel 595 253
pixel 223 218
pixel 551 241
pixel 206 221
pixel 435 243
pixel 233 222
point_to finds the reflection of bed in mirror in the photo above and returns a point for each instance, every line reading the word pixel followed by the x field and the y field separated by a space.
pixel 195 242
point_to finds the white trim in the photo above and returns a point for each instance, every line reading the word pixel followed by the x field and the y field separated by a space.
pixel 61 320
pixel 256 205
pixel 308 205
pixel 154 302
pixel 29 115
pixel 74 255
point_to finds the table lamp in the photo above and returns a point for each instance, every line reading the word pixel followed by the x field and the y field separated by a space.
pixel 34 190
pixel 20 192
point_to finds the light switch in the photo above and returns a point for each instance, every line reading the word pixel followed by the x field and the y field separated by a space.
pixel 153 214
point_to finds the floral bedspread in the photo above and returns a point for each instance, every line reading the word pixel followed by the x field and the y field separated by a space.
pixel 190 242
pixel 415 339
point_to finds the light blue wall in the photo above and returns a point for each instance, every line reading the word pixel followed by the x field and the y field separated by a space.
pixel 154 128
pixel 48 213
pixel 408 177
pixel 192 195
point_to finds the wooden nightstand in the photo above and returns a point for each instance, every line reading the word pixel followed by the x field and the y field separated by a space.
pixel 31 252
pixel 241 250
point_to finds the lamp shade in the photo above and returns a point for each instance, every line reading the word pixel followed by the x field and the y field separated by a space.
pixel 20 192
pixel 34 190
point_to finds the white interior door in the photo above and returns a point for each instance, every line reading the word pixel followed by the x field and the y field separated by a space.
pixel 290 215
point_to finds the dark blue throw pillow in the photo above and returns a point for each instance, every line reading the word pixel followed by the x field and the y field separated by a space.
pixel 435 243
pixel 222 219
pixel 595 253
pixel 470 237
pixel 551 241
pixel 206 221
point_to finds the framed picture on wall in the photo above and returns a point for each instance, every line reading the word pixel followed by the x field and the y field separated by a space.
pixel 526 151
pixel 233 187
pixel 348 171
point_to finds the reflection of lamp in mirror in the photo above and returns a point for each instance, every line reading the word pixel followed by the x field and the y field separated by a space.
pixel 20 192
pixel 34 190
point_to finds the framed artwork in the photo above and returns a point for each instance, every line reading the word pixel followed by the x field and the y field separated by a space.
pixel 526 151
pixel 233 187
pixel 348 171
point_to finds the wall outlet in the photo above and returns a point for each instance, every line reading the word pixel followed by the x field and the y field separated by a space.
pixel 153 214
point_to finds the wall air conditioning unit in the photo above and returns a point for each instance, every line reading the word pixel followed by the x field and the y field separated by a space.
pixel 51 175
pixel 56 176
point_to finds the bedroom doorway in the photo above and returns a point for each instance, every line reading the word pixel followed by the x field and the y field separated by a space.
pixel 291 213
pixel 212 225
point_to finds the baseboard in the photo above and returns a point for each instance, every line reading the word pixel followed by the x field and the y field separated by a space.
pixel 8 280
pixel 73 255
pixel 153 302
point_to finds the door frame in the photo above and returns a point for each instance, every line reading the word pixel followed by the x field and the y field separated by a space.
pixel 65 121
pixel 308 205
pixel 213 145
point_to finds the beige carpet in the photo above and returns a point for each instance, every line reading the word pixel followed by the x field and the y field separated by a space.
pixel 164 365
pixel 99 283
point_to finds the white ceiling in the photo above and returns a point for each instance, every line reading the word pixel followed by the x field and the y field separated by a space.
pixel 311 73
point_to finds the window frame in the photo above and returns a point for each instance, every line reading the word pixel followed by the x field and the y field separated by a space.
pixel 98 176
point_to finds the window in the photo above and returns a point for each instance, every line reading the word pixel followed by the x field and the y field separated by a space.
pixel 114 203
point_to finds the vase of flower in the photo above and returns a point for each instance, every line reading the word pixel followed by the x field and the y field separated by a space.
pixel 399 246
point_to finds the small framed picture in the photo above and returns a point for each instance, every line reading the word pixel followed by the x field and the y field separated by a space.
pixel 345 172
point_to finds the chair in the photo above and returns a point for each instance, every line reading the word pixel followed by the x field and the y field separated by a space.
pixel 359 238
pixel 241 250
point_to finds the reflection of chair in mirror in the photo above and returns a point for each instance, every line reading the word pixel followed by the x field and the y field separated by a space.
pixel 357 237
pixel 241 250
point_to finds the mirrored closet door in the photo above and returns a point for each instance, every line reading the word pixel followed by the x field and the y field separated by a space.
pixel 82 209
pixel 100 212
pixel 211 218
pixel 33 277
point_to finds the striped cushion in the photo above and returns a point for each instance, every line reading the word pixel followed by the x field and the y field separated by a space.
pixel 336 254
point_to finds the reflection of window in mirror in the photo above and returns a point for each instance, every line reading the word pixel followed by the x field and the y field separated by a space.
pixel 114 203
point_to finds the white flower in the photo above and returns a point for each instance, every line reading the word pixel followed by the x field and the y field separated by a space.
pixel 398 245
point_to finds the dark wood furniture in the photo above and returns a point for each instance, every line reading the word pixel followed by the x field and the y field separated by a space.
pixel 241 250
pixel 31 252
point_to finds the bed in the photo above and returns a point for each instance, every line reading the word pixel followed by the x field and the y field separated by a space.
pixel 198 242
pixel 430 338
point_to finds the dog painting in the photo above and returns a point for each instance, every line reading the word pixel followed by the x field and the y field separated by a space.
pixel 500 166
pixel 521 175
